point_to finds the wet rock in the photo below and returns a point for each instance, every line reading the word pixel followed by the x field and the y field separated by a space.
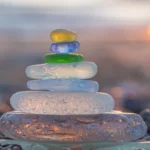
pixel 108 127
pixel 146 117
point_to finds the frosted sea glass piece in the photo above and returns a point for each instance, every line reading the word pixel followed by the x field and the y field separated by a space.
pixel 80 70
pixel 61 103
pixel 63 35
pixel 68 85
pixel 65 47
pixel 104 127
pixel 63 58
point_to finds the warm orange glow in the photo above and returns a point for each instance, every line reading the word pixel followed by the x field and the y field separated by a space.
pixel 27 125
pixel 148 30
pixel 117 92
pixel 55 128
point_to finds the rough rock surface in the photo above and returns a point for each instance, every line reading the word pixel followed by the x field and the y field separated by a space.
pixel 107 127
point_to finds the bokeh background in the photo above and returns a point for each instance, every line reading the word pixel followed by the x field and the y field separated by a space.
pixel 115 34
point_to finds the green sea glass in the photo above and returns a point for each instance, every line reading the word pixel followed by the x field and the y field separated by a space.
pixel 63 58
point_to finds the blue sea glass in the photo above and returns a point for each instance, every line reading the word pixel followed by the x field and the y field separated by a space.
pixel 70 85
pixel 65 47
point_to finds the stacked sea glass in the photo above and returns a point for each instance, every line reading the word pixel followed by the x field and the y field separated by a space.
pixel 65 106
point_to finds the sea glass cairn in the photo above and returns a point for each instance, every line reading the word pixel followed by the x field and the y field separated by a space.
pixel 64 106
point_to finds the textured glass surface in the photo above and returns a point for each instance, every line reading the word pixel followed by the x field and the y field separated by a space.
pixel 68 85
pixel 80 70
pixel 65 47
pixel 10 144
pixel 104 127
pixel 62 103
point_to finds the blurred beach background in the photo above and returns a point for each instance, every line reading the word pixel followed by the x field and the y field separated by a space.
pixel 115 34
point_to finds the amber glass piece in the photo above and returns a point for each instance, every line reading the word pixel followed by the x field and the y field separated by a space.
pixel 62 35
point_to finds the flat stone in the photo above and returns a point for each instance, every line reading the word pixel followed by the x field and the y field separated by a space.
pixel 146 117
pixel 128 146
pixel 61 103
pixel 10 144
pixel 62 35
pixel 80 70
pixel 20 145
pixel 78 145
pixel 63 58
pixel 65 47
pixel 68 85
pixel 105 127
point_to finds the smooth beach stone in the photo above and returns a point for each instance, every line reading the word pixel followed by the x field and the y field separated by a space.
pixel 65 47
pixel 146 117
pixel 68 85
pixel 62 103
pixel 63 58
pixel 62 35
pixel 20 145
pixel 104 127
pixel 80 70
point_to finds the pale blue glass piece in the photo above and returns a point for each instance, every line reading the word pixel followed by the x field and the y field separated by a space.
pixel 64 85
pixel 80 70
pixel 66 47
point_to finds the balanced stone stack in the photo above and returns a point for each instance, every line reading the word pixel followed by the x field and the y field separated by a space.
pixel 64 107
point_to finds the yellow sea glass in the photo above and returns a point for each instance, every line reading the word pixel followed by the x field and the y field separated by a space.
pixel 62 35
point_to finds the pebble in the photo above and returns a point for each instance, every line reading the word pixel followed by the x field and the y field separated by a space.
pixel 147 138
pixel 62 35
pixel 65 47
pixel 61 103
pixel 79 70
pixel 146 117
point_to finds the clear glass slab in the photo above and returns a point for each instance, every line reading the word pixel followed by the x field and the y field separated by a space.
pixel 10 144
